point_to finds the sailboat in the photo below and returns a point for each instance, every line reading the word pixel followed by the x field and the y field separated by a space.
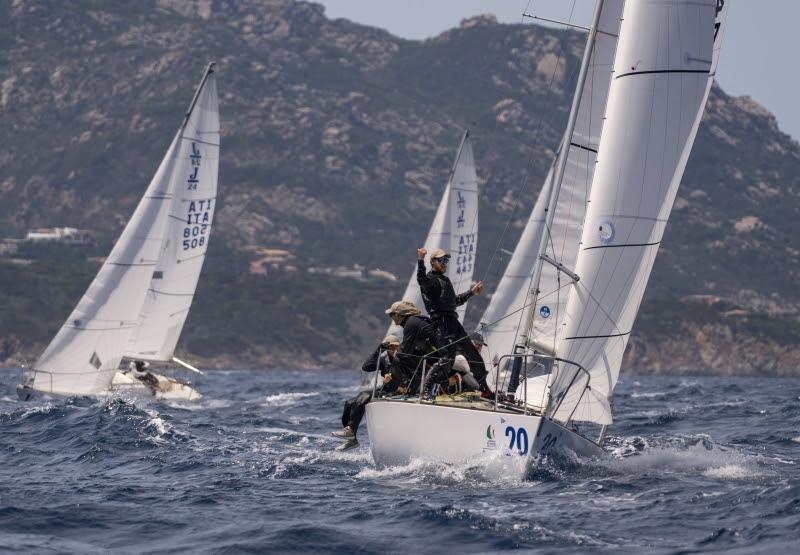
pixel 665 57
pixel 454 228
pixel 137 303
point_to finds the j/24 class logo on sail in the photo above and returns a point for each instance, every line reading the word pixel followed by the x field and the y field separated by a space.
pixel 195 158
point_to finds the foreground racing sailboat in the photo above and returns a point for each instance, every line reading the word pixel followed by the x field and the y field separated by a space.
pixel 666 55
pixel 137 303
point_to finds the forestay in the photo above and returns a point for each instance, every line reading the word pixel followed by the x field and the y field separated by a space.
pixel 176 274
pixel 503 316
pixel 86 351
pixel 454 228
pixel 662 75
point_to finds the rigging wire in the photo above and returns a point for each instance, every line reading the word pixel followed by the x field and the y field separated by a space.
pixel 523 186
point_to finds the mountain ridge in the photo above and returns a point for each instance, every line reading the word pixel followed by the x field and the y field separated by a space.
pixel 337 141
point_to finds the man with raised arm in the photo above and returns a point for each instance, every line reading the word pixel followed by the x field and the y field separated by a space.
pixel 441 302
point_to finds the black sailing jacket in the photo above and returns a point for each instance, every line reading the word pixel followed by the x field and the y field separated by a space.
pixel 419 339
pixel 437 292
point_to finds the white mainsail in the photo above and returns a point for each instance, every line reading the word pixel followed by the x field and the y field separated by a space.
pixel 85 353
pixel 664 67
pixel 176 274
pixel 454 228
pixel 503 316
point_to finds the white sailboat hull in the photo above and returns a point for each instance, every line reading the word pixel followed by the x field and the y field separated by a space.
pixel 401 431
pixel 169 389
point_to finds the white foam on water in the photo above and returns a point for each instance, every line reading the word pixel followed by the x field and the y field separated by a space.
pixel 731 472
pixel 498 519
pixel 649 395
pixel 40 409
pixel 286 432
pixel 490 469
pixel 697 459
pixel 158 424
pixel 796 439
pixel 199 405
pixel 286 399
pixel 296 420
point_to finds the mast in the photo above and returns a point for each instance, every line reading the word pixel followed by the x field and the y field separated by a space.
pixel 524 339
pixel 206 73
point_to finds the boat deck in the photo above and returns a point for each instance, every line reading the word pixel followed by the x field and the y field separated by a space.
pixel 471 400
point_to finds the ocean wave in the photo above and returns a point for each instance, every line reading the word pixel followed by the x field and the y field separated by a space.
pixel 701 458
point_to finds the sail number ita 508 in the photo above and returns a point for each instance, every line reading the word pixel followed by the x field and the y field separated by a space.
pixel 198 223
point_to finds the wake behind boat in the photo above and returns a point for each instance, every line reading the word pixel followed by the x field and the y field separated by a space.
pixel 666 55
pixel 137 303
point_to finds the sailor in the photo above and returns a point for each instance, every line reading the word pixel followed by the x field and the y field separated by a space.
pixel 419 341
pixel 441 302
pixel 140 370
pixel 461 370
pixel 380 360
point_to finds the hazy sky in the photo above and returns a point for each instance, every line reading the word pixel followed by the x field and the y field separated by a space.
pixel 758 52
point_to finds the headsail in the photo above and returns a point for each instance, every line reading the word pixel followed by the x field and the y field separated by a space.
pixel 454 228
pixel 176 274
pixel 503 316
pixel 663 72
pixel 85 353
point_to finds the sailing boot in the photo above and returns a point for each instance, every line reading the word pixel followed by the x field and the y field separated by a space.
pixel 344 433
pixel 349 444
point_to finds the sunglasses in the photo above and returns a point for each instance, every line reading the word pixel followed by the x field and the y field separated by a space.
pixel 443 260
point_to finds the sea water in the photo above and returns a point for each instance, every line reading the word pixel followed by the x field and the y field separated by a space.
pixel 697 464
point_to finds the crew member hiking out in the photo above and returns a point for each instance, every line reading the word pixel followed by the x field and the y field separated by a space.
pixel 441 302
pixel 141 371
pixel 380 360
pixel 419 341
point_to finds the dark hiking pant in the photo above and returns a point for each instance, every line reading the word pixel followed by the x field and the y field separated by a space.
pixel 452 338
pixel 354 410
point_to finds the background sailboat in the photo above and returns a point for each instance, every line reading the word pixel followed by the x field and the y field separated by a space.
pixel 112 319
pixel 177 272
pixel 454 228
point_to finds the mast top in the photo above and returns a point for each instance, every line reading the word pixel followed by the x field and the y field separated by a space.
pixel 210 68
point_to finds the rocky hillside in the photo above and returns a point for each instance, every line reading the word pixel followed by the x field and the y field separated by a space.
pixel 337 140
